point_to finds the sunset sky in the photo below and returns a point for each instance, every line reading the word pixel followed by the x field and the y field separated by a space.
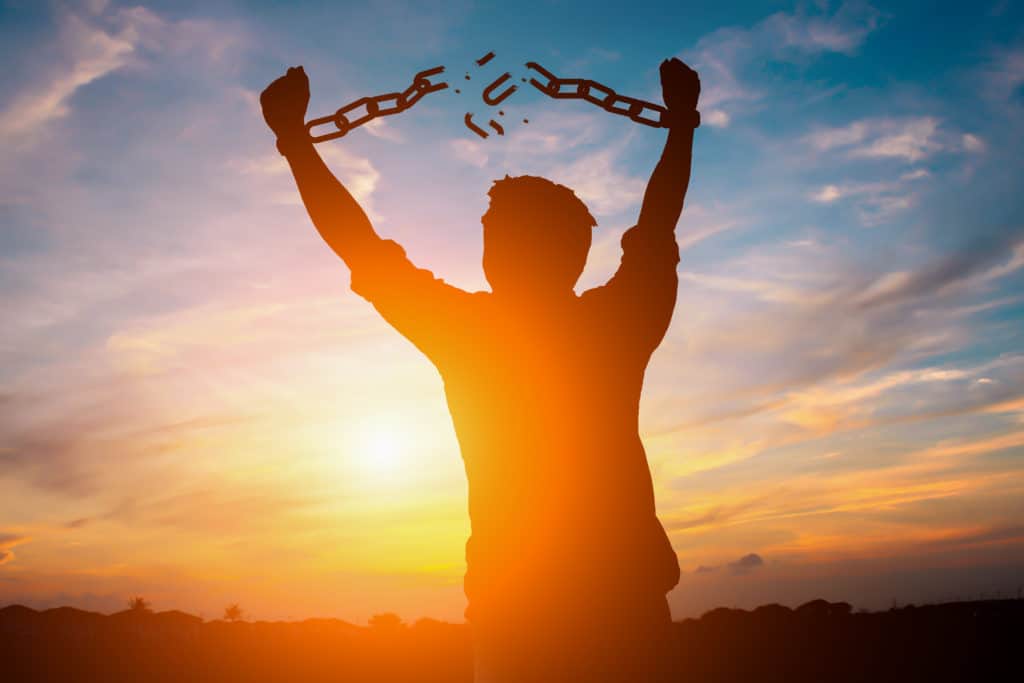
pixel 194 407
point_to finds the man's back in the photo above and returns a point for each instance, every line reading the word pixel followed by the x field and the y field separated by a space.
pixel 544 398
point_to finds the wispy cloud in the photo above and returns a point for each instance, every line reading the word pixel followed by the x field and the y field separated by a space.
pixel 973 143
pixel 469 151
pixel 744 565
pixel 7 542
pixel 581 151
pixel 910 139
pixel 358 173
pixel 1003 74
pixel 819 343
pixel 98 42
pixel 380 128
pixel 89 53
pixel 878 201
pixel 730 60
pixel 597 179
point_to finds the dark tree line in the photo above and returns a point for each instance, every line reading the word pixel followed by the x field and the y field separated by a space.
pixel 820 641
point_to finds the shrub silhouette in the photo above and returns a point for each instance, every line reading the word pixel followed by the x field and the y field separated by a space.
pixel 139 604
pixel 233 612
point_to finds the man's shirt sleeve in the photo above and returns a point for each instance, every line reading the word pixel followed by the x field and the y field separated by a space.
pixel 425 309
pixel 641 296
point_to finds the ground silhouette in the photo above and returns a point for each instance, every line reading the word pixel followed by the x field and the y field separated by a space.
pixel 820 641
pixel 567 565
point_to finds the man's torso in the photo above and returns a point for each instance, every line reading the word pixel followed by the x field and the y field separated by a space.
pixel 545 406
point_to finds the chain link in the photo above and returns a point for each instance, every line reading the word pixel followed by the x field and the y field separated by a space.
pixel 373 107
pixel 647 113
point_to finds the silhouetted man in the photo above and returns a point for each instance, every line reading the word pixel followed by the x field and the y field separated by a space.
pixel 568 565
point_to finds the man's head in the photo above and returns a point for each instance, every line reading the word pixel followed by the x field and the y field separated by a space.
pixel 536 237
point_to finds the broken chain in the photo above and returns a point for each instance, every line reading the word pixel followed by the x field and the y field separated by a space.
pixel 381 105
pixel 641 111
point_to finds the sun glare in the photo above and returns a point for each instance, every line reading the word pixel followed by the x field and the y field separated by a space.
pixel 380 446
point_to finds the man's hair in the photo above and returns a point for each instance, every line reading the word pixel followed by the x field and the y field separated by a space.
pixel 536 234
pixel 533 195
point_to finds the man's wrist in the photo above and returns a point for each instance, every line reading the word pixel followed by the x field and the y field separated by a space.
pixel 293 140
pixel 687 118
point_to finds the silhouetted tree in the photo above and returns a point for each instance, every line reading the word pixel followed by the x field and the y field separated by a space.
pixel 139 604
pixel 233 612
pixel 949 643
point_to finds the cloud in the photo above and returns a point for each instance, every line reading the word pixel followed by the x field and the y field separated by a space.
pixel 746 564
pixel 790 348
pixel 973 143
pixel 938 392
pixel 227 509
pixel 8 541
pixel 731 60
pixel 967 539
pixel 916 174
pixel 843 31
pixel 980 261
pixel 381 128
pixel 828 194
pixel 469 151
pixel 97 43
pixel 358 174
pixel 886 507
pixel 878 201
pixel 597 180
pixel 556 132
pixel 843 136
pixel 875 191
pixel 48 455
pixel 590 57
pixel 1003 75
pixel 716 118
pixel 596 156
pixel 716 516
pixel 700 223
pixel 910 139
pixel 959 448
pixel 89 53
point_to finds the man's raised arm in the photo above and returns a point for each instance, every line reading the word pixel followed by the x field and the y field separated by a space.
pixel 426 310
pixel 337 216
pixel 663 199
pixel 643 289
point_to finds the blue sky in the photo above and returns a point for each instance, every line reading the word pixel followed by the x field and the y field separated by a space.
pixel 193 400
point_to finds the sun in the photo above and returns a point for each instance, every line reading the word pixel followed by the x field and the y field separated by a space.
pixel 381 446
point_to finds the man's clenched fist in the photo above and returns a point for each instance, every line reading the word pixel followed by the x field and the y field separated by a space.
pixel 284 103
pixel 680 86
